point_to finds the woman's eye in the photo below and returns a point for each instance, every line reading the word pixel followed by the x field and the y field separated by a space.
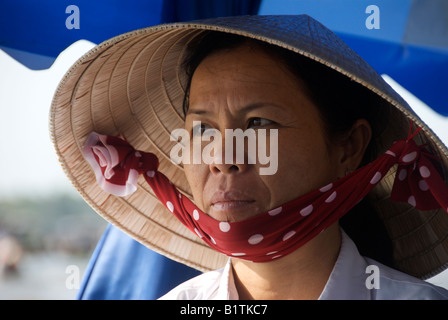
pixel 259 122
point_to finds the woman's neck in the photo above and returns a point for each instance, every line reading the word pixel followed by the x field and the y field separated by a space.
pixel 300 275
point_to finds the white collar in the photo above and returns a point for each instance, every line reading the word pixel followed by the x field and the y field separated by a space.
pixel 347 281
pixel 352 279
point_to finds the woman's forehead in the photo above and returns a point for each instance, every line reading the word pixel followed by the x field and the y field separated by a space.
pixel 246 57
pixel 243 73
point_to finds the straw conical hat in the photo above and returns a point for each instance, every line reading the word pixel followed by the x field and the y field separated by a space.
pixel 133 85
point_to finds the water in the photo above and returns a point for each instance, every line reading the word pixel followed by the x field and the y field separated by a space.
pixel 44 276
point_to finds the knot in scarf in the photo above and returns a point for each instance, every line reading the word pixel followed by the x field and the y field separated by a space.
pixel 417 181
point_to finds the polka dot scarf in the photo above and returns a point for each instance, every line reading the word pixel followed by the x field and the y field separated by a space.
pixel 282 230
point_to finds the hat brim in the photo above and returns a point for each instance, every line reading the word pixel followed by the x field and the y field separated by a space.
pixel 132 85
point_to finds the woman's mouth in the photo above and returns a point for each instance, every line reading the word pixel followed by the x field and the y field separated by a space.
pixel 232 206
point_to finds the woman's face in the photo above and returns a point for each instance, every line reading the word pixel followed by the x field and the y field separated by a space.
pixel 247 88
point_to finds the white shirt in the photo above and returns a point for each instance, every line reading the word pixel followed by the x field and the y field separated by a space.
pixel 350 279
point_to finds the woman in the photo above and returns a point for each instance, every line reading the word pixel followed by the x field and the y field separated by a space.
pixel 295 86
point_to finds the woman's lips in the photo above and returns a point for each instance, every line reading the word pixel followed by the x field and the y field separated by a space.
pixel 231 203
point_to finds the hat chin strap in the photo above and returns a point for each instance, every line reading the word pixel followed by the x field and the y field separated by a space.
pixel 282 230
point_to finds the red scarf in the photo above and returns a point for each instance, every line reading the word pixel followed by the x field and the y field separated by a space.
pixel 284 229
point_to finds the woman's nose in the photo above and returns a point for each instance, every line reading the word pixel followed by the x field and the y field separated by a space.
pixel 225 168
pixel 228 158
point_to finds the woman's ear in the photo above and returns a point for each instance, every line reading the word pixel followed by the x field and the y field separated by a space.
pixel 353 146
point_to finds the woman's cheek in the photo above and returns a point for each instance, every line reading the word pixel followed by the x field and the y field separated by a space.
pixel 196 177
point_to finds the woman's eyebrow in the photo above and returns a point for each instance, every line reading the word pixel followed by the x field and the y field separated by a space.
pixel 245 109
pixel 197 111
